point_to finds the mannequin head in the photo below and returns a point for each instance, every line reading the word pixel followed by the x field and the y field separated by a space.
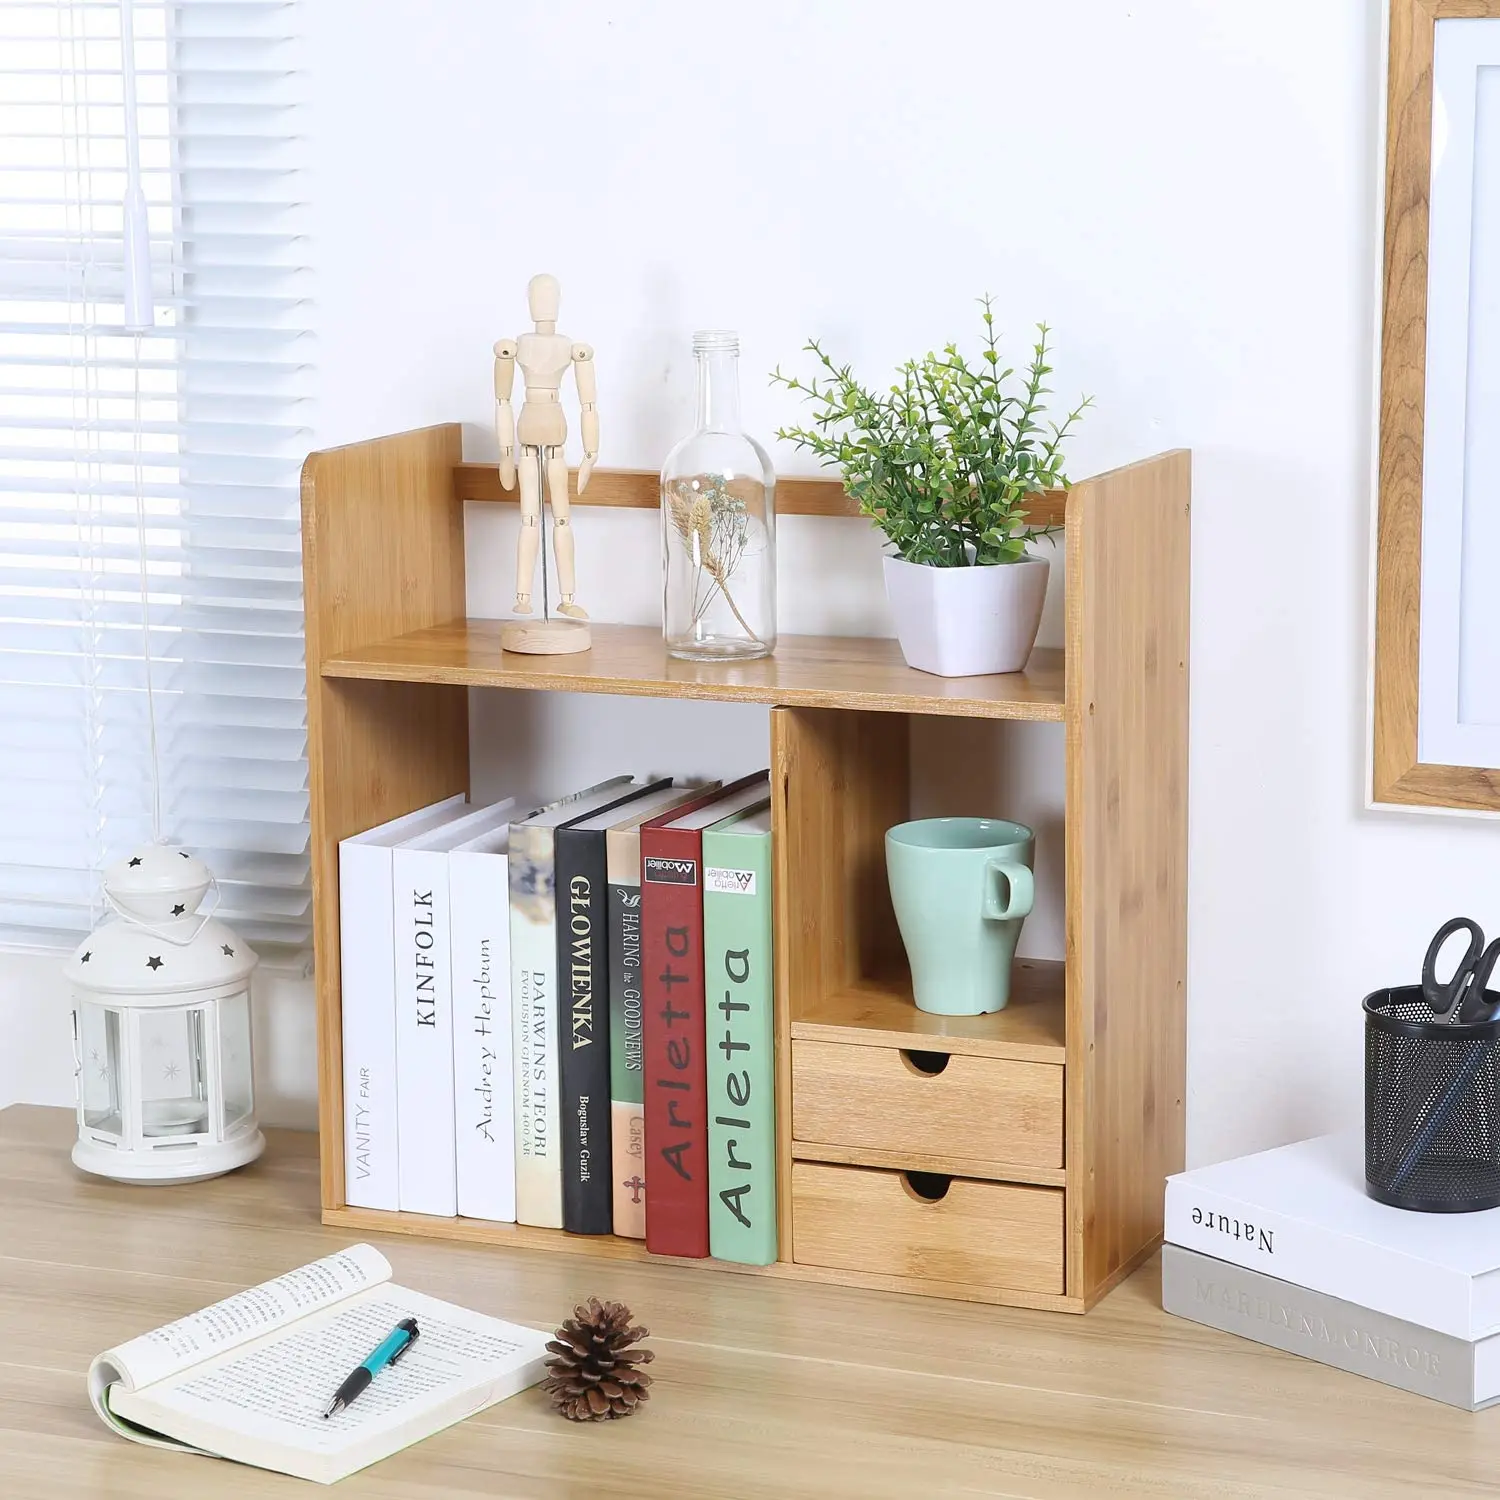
pixel 543 295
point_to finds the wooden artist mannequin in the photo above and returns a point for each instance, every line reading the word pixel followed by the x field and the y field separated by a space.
pixel 544 356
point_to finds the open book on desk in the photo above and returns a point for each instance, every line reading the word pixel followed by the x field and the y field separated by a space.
pixel 250 1377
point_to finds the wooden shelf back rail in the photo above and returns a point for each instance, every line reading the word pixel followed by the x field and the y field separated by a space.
pixel 638 489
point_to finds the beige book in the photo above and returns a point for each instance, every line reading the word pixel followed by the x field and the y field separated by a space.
pixel 250 1377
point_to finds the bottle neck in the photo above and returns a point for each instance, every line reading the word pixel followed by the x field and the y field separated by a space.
pixel 718 390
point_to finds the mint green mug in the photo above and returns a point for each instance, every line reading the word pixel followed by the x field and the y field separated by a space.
pixel 961 888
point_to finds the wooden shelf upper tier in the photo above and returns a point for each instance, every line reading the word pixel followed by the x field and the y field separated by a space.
pixel 807 671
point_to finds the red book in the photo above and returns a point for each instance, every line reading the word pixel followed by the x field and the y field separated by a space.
pixel 673 1032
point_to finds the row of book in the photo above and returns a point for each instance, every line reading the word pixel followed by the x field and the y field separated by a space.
pixel 563 1016
pixel 1286 1248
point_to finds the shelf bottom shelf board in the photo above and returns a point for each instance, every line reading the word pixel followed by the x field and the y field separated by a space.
pixel 610 1247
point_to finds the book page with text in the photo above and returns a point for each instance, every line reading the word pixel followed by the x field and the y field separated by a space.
pixel 264 1403
pixel 234 1322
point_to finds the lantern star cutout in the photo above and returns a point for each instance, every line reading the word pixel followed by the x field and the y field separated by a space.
pixel 171 1070
pixel 135 861
pixel 153 962
pixel 228 951
pixel 178 910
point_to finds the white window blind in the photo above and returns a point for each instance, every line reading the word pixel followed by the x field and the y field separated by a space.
pixel 182 443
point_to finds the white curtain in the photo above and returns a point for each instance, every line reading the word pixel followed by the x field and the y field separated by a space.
pixel 181 443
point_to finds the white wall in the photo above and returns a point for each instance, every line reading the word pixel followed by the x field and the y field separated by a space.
pixel 1184 190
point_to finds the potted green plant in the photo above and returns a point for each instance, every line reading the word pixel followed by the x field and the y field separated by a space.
pixel 943 462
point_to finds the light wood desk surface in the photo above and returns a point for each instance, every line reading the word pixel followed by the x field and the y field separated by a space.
pixel 764 1389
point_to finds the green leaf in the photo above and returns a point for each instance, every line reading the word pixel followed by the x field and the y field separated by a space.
pixel 942 459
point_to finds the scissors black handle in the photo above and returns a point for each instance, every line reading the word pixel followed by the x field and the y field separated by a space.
pixel 1452 992
pixel 1477 1003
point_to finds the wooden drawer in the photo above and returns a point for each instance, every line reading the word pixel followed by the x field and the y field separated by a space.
pixel 976 1233
pixel 985 1109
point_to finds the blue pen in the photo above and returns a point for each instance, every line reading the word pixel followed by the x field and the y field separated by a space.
pixel 402 1337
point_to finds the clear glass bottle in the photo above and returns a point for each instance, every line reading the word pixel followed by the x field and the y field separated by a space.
pixel 718 519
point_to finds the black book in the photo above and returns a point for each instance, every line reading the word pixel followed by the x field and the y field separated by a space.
pixel 582 887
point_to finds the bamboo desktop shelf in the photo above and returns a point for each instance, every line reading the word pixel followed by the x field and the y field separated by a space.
pixel 1015 1158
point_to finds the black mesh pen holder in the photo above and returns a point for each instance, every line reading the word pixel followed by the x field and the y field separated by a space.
pixel 1432 1106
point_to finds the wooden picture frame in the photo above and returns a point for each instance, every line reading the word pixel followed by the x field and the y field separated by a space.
pixel 1400 775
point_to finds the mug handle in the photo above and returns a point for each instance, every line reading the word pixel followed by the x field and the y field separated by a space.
pixel 1019 888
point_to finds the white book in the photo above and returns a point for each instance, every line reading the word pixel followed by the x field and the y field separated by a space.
pixel 483 1077
pixel 1330 1330
pixel 367 986
pixel 427 1154
pixel 249 1378
pixel 1301 1213
pixel 533 991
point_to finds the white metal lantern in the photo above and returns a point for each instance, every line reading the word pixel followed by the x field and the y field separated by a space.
pixel 161 1029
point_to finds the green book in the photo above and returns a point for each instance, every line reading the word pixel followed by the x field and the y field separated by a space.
pixel 741 1054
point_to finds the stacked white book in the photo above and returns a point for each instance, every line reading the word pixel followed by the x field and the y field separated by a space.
pixel 425 984
pixel 427 1157
pixel 1286 1248
pixel 367 977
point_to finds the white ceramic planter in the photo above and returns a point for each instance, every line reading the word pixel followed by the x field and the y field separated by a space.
pixel 966 622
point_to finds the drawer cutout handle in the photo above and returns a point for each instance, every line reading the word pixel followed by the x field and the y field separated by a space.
pixel 929 1064
pixel 926 1187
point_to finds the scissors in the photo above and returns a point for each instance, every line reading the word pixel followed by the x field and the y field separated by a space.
pixel 1463 996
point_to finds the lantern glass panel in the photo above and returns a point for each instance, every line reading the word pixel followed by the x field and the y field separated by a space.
pixel 174 1071
pixel 99 1062
pixel 235 1058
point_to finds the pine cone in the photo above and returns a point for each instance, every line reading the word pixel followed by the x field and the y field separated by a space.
pixel 593 1367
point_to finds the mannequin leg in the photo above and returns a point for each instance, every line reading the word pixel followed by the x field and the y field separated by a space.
pixel 530 480
pixel 562 534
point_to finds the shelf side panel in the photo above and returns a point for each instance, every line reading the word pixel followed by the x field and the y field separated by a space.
pixel 1127 787
pixel 840 778
pixel 382 553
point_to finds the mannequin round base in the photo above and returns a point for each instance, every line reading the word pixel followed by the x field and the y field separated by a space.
pixel 545 637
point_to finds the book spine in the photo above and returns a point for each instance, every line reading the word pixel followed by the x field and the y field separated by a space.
pixel 673 1037
pixel 426 1157
pixel 533 991
pixel 368 1001
pixel 740 1062
pixel 583 1029
pixel 1303 1254
pixel 627 1113
pixel 483 1080
pixel 1328 1329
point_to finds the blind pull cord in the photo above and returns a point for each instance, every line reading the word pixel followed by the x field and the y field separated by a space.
pixel 140 312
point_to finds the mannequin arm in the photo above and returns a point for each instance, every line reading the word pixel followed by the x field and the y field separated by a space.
pixel 588 412
pixel 505 417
